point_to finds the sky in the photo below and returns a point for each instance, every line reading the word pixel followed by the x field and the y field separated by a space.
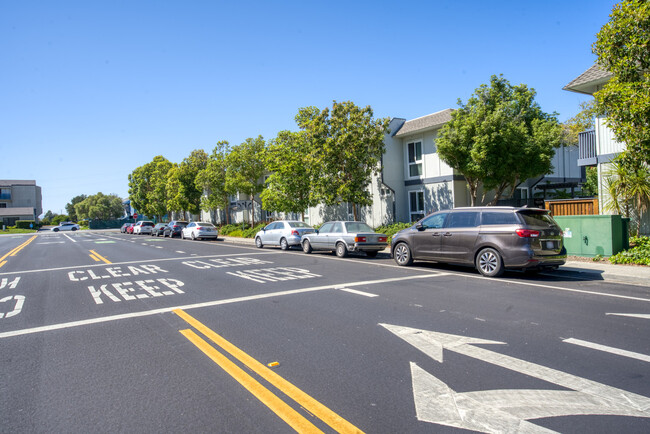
pixel 91 90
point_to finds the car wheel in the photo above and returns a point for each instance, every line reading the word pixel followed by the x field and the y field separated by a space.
pixel 56 229
pixel 341 250
pixel 372 254
pixel 182 235
pixel 489 263
pixel 306 247
pixel 258 243
pixel 283 244
pixel 74 229
pixel 402 254
pixel 193 236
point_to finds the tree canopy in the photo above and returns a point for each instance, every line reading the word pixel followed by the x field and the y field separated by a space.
pixel 69 207
pixel 147 187
pixel 100 206
pixel 499 138
pixel 212 180
pixel 623 48
pixel 245 168
pixel 346 146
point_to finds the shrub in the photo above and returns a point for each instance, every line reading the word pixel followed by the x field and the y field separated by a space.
pixel 391 230
pixel 638 254
pixel 236 233
pixel 24 224
pixel 250 233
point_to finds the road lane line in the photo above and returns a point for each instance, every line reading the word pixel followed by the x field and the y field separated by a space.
pixel 632 315
pixel 100 257
pixel 294 419
pixel 354 291
pixel 606 349
pixel 69 237
pixel 310 404
pixel 99 320
pixel 15 250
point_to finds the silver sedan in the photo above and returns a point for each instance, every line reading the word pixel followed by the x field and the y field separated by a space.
pixel 283 233
pixel 343 237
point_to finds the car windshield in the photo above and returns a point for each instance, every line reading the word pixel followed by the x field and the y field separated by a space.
pixel 358 227
pixel 299 225
pixel 147 224
pixel 537 218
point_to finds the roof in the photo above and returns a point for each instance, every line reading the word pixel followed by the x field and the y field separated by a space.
pixel 17 211
pixel 589 80
pixel 433 120
pixel 10 182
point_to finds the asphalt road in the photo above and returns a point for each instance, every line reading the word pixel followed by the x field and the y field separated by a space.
pixel 108 332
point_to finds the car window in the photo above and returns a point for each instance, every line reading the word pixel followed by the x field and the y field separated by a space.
pixel 357 227
pixel 327 227
pixel 337 228
pixel 498 218
pixel 462 219
pixel 537 218
pixel 205 224
pixel 270 226
pixel 148 224
pixel 299 225
pixel 435 221
pixel 191 225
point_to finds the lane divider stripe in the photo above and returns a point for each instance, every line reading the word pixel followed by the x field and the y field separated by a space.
pixel 310 404
pixel 101 258
pixel 294 419
pixel 15 250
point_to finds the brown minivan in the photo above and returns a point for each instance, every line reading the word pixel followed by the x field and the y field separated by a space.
pixel 488 238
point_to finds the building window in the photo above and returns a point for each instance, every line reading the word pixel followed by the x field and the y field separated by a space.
pixel 5 193
pixel 3 205
pixel 415 159
pixel 416 199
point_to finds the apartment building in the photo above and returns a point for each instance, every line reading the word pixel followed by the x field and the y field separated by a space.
pixel 19 200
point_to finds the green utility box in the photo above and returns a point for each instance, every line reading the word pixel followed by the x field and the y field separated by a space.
pixel 591 235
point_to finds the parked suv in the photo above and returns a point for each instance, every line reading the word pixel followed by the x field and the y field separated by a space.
pixel 143 227
pixel 488 238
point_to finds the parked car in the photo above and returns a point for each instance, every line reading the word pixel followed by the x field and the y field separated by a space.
pixel 199 231
pixel 66 226
pixel 124 226
pixel 345 236
pixel 129 228
pixel 143 227
pixel 488 238
pixel 174 228
pixel 158 229
pixel 283 233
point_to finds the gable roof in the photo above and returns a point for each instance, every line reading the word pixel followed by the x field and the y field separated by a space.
pixel 588 81
pixel 433 120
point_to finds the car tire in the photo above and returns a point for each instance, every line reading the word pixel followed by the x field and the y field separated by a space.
pixel 372 254
pixel 284 245
pixel 306 247
pixel 56 229
pixel 193 236
pixel 402 254
pixel 74 229
pixel 182 235
pixel 489 262
pixel 258 243
pixel 341 250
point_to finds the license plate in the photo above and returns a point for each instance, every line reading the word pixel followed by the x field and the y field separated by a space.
pixel 551 245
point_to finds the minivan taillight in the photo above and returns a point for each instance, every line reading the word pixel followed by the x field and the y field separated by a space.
pixel 527 233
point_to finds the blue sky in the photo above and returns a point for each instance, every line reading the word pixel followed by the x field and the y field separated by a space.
pixel 90 90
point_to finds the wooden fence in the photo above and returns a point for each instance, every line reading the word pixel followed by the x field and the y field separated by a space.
pixel 572 206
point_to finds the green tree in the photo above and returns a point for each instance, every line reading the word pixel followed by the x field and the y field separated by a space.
pixel 147 187
pixel 100 206
pixel 623 49
pixel 582 121
pixel 182 192
pixel 69 208
pixel 245 168
pixel 499 138
pixel 212 180
pixel 346 146
pixel 288 187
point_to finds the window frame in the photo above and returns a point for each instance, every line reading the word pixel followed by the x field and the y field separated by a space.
pixel 416 162
pixel 418 211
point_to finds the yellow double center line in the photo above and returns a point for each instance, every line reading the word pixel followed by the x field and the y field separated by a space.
pixel 294 419
pixel 14 251
pixel 97 257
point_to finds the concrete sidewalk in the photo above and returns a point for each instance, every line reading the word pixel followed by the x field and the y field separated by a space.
pixel 630 274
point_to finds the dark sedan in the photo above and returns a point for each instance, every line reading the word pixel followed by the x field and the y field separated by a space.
pixel 174 228
pixel 158 230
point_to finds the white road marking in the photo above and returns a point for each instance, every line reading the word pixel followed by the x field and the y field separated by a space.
pixel 180 251
pixel 506 410
pixel 632 315
pixel 354 291
pixel 18 306
pixel 53 242
pixel 606 349
pixel 69 237
pixel 199 305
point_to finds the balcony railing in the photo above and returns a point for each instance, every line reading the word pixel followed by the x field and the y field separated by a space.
pixel 587 155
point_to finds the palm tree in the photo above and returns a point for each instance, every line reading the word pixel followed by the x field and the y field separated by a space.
pixel 628 185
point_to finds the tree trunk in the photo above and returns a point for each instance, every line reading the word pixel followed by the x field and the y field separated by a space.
pixel 354 211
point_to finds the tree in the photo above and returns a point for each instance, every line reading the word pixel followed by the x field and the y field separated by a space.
pixel 288 188
pixel 582 121
pixel 147 187
pixel 628 186
pixel 181 190
pixel 623 49
pixel 69 208
pixel 346 146
pixel 245 168
pixel 100 206
pixel 499 138
pixel 212 180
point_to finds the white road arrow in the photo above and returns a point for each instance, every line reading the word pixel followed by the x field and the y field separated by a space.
pixel 507 410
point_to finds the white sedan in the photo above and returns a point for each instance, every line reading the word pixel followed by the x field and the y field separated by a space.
pixel 199 230
pixel 66 226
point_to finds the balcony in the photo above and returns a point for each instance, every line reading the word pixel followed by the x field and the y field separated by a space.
pixel 587 155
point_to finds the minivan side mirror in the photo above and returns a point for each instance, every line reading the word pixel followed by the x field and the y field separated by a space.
pixel 419 227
